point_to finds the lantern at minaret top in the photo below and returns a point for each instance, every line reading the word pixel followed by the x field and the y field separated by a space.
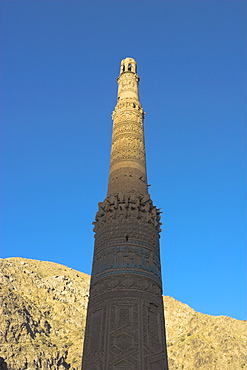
pixel 128 80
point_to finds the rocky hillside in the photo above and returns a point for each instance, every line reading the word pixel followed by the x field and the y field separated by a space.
pixel 44 308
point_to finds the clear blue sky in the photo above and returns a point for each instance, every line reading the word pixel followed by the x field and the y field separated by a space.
pixel 60 61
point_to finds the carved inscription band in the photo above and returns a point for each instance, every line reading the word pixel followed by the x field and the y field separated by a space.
pixel 126 258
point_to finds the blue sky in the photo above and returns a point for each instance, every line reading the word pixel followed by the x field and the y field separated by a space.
pixel 59 64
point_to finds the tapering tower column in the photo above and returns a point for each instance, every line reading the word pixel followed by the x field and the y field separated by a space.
pixel 128 160
pixel 125 321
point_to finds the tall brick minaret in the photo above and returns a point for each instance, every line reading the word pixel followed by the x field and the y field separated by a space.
pixel 125 327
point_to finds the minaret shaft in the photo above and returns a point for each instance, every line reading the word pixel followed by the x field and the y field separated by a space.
pixel 125 319
pixel 128 159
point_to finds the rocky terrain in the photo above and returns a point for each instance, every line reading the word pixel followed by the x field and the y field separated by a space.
pixel 43 315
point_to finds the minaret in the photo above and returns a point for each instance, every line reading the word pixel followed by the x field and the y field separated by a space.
pixel 125 327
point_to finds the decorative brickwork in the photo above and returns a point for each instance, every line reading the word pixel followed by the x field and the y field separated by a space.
pixel 125 323
pixel 128 206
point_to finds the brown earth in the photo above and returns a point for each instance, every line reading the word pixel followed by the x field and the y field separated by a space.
pixel 43 317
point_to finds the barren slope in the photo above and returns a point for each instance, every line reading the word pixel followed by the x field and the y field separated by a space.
pixel 44 309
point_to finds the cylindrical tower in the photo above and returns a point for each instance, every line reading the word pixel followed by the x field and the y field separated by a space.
pixel 125 321
pixel 128 160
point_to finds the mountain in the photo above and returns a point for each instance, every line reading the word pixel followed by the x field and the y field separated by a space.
pixel 43 315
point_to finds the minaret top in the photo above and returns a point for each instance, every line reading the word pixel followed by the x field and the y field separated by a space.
pixel 128 65
pixel 128 80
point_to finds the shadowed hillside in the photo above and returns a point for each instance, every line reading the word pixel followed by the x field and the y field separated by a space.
pixel 44 309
